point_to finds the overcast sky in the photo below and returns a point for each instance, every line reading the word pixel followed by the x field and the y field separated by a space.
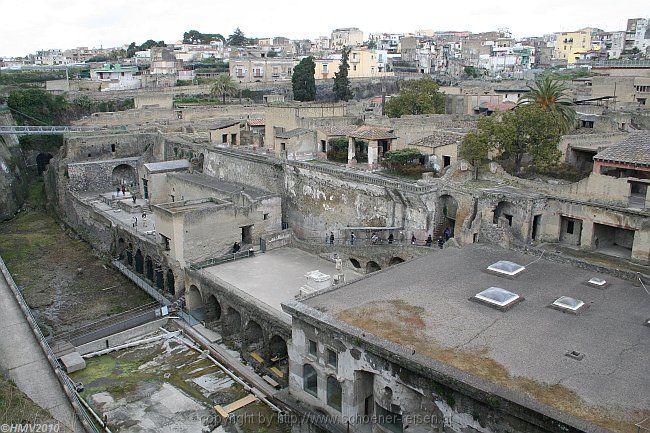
pixel 30 25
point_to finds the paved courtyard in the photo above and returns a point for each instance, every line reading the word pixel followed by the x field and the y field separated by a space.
pixel 275 276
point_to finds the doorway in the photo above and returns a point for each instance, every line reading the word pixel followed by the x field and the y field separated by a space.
pixel 247 234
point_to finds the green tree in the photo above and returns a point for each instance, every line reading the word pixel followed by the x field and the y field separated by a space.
pixel 238 39
pixel 224 85
pixel 471 72
pixel 416 97
pixel 37 107
pixel 372 45
pixel 303 80
pixel 528 131
pixel 550 95
pixel 341 80
pixel 196 37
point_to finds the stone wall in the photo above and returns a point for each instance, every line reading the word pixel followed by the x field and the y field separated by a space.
pixel 13 173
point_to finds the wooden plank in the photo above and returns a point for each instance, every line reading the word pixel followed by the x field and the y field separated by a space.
pixel 221 411
pixel 250 398
pixel 256 356
pixel 224 411
pixel 277 358
pixel 271 381
pixel 276 371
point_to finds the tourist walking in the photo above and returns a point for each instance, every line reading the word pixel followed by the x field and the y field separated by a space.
pixel 413 239
pixel 352 238
pixel 429 241
pixel 391 238
pixel 331 238
pixel 447 233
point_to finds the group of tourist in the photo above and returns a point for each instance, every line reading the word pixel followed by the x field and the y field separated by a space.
pixel 375 239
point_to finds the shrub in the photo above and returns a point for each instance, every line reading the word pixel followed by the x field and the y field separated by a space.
pixel 338 149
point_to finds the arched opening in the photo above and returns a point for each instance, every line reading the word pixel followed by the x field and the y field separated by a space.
pixel 355 263
pixel 139 262
pixel 310 380
pixel 197 163
pixel 446 216
pixel 160 278
pixel 42 161
pixel 395 260
pixel 193 298
pixel 372 267
pixel 171 282
pixel 124 174
pixel 129 257
pixel 277 348
pixel 214 309
pixel 334 393
pixel 233 322
pixel 505 210
pixel 149 268
pixel 253 335
pixel 121 249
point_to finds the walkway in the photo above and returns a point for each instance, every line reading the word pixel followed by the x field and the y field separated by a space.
pixel 22 357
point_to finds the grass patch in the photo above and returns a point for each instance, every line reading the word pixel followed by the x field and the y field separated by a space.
pixel 17 408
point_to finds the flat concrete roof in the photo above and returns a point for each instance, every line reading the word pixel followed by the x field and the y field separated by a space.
pixel 275 276
pixel 173 165
pixel 425 304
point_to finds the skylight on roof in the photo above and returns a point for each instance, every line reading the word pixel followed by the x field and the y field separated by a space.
pixel 568 303
pixel 497 296
pixel 504 267
pixel 597 282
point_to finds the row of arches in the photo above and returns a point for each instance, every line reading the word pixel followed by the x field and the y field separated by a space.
pixel 163 280
pixel 249 334
pixel 373 266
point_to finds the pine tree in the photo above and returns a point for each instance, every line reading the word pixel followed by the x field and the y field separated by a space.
pixel 303 80
pixel 341 80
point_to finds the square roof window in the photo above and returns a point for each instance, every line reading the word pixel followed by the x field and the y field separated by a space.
pixel 497 297
pixel 504 267
pixel 567 303
pixel 597 282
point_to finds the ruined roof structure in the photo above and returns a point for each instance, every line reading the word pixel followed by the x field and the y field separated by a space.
pixel 586 364
pixel 224 124
pixel 370 132
pixel 634 149
pixel 439 138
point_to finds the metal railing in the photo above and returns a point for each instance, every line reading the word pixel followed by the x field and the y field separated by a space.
pixel 106 322
pixel 381 242
pixel 219 260
pixel 140 282
pixel 68 386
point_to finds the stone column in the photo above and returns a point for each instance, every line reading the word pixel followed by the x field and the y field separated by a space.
pixel 352 151
pixel 641 246
pixel 373 154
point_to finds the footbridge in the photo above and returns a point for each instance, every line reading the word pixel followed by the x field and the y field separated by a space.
pixel 54 130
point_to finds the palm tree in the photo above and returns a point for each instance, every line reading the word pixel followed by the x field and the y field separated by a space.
pixel 225 86
pixel 550 95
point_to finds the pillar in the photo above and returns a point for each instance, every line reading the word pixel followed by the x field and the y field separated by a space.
pixel 641 246
pixel 352 151
pixel 587 235
pixel 373 154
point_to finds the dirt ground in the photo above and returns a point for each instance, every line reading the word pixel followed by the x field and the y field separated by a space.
pixel 64 281
pixel 164 386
